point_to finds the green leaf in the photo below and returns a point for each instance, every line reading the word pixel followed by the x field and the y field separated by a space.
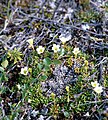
pixel 66 114
pixel 3 77
pixel 4 63
pixel 1 69
pixel 46 68
pixel 56 62
pixel 47 61
pixel 43 77
pixel 72 105
pixel 40 66
pixel 62 52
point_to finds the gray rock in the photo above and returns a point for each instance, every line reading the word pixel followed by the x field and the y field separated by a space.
pixel 62 76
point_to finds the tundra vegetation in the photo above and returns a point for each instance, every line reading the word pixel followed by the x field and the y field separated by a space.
pixel 53 59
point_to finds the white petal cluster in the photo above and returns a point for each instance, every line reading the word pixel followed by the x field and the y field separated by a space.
pixel 40 49
pixel 56 48
pixel 24 71
pixel 94 84
pixel 97 88
pixel 76 51
pixel 64 39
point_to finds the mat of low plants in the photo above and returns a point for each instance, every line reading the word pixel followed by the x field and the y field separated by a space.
pixel 54 60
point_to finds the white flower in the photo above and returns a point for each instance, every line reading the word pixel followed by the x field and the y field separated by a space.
pixel 76 51
pixel 30 41
pixel 24 71
pixel 56 48
pixel 94 84
pixel 64 39
pixel 19 87
pixel 85 27
pixel 40 49
pixel 98 89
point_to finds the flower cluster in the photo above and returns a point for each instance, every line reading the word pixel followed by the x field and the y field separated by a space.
pixel 97 88
pixel 55 47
